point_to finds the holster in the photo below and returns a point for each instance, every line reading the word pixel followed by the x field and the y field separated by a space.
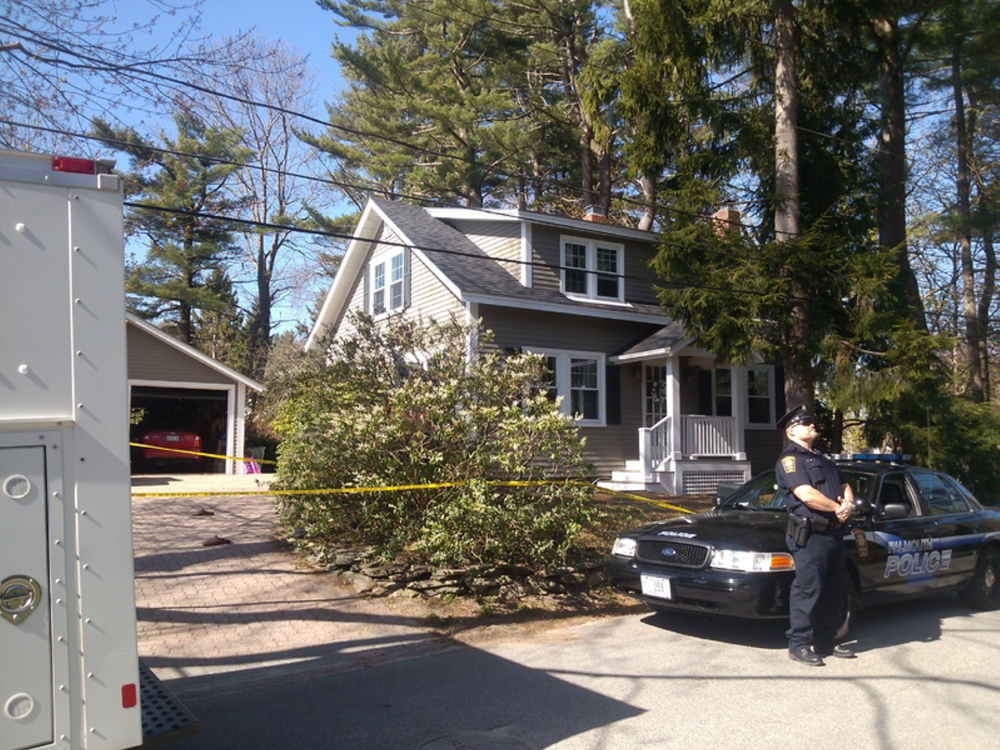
pixel 799 529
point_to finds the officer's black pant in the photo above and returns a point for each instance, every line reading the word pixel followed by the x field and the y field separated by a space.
pixel 817 601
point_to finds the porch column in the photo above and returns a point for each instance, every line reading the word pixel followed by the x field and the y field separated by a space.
pixel 740 412
pixel 673 385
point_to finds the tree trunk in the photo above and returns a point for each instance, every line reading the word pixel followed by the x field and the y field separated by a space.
pixel 973 335
pixel 648 184
pixel 787 200
pixel 892 170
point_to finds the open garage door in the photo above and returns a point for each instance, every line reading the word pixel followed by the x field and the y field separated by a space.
pixel 179 419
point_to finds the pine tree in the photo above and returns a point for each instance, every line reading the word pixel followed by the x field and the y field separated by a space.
pixel 185 246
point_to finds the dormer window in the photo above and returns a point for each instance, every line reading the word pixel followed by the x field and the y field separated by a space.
pixel 592 269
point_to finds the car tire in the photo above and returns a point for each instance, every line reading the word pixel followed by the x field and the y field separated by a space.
pixel 851 607
pixel 983 591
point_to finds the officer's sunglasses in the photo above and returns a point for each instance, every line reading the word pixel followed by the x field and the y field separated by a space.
pixel 805 422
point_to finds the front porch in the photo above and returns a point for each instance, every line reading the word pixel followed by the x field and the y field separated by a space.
pixel 695 416
pixel 691 455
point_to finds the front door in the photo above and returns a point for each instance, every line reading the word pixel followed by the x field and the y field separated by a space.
pixel 655 394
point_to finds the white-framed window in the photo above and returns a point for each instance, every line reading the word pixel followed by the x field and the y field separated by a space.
pixel 593 269
pixel 577 379
pixel 760 395
pixel 388 283
pixel 378 289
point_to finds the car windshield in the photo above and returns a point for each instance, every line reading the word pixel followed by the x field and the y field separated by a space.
pixel 761 492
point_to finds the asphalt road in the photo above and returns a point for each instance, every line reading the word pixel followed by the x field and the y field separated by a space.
pixel 927 676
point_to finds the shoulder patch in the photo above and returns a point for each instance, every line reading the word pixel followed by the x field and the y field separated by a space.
pixel 788 464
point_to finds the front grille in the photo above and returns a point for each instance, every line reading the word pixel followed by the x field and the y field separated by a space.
pixel 671 552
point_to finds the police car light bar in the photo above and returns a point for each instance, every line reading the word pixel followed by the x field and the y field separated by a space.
pixel 875 457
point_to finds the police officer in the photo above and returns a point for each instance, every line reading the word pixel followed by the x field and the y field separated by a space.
pixel 819 501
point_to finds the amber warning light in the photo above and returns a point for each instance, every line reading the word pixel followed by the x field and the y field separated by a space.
pixel 76 166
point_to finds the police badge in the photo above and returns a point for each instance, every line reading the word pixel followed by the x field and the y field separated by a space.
pixel 788 464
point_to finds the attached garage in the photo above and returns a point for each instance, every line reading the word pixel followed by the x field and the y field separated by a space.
pixel 179 393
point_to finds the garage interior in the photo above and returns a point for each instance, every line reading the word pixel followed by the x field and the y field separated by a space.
pixel 201 411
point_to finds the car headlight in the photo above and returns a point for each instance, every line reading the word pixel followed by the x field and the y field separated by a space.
pixel 751 562
pixel 624 547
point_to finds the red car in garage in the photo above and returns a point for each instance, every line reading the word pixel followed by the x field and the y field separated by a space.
pixel 167 445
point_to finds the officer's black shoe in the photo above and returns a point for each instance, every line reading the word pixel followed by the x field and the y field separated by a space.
pixel 840 651
pixel 805 655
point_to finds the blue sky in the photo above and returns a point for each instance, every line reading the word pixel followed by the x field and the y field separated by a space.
pixel 300 23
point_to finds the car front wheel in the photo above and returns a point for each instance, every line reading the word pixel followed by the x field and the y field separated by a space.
pixel 850 607
pixel 983 591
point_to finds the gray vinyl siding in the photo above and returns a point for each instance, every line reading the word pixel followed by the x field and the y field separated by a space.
pixel 608 447
pixel 429 297
pixel 546 248
pixel 153 360
pixel 498 239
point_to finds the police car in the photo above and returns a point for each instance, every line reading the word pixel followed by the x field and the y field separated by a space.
pixel 914 532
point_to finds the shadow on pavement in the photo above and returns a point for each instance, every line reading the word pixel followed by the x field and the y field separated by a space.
pixel 918 620
pixel 412 703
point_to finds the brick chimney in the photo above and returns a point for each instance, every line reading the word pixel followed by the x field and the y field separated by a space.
pixel 726 219
pixel 595 214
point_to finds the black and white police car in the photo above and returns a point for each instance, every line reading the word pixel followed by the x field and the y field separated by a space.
pixel 914 532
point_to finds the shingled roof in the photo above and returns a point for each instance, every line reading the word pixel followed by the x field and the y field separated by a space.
pixel 467 266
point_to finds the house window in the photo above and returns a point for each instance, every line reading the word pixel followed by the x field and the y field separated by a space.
pixel 592 269
pixel 577 379
pixel 396 287
pixel 378 290
pixel 388 284
pixel 723 392
pixel 760 395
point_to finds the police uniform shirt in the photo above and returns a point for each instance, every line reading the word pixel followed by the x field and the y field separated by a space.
pixel 798 465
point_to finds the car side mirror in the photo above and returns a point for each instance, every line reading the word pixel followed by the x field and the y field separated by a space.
pixel 894 512
pixel 862 506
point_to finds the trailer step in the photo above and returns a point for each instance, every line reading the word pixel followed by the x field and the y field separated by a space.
pixel 165 719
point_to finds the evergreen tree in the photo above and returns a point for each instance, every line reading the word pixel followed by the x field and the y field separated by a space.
pixel 185 246
pixel 431 102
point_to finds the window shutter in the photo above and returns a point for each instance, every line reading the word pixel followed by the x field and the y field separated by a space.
pixel 613 394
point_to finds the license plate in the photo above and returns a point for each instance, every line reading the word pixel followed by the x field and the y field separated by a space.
pixel 656 586
pixel 173 438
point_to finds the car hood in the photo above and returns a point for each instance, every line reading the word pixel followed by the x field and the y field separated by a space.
pixel 762 531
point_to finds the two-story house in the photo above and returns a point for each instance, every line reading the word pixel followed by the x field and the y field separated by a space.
pixel 657 412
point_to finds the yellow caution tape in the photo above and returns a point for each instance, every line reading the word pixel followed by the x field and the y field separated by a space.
pixel 207 455
pixel 407 487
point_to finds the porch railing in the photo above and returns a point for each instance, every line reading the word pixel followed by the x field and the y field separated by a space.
pixel 701 437
pixel 708 436
pixel 654 445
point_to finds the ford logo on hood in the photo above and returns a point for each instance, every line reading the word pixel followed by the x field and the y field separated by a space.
pixel 668 552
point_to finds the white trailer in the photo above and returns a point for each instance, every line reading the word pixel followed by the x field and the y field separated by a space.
pixel 69 668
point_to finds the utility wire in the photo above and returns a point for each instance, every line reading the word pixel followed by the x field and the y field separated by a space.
pixel 135 71
pixel 432 249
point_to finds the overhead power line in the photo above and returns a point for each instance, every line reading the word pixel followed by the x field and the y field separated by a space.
pixel 426 248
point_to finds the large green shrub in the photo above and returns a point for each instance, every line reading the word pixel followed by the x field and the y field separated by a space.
pixel 404 403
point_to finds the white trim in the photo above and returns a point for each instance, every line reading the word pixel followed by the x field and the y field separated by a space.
pixel 347 273
pixel 511 214
pixel 527 276
pixel 611 312
pixel 191 352
pixel 564 386
pixel 770 396
pixel 416 251
pixel 590 270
